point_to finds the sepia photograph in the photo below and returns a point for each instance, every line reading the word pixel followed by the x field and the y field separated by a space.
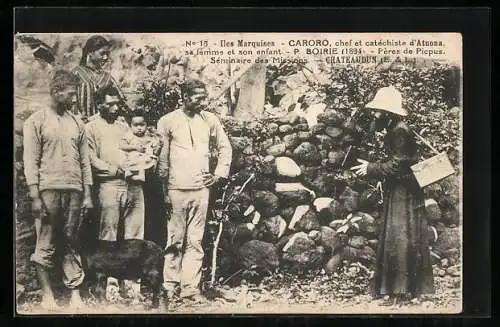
pixel 238 173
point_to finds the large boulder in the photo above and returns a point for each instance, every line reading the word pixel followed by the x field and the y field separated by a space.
pixel 276 150
pixel 336 224
pixel 319 128
pixel 328 209
pixel 433 211
pixel 286 167
pixel 233 126
pixel 291 198
pixel 242 233
pixel 302 127
pixel 290 119
pixel 451 216
pixel 350 200
pixel 322 203
pixel 448 240
pixel 357 241
pixel 263 182
pixel 287 213
pixel 365 255
pixel 268 168
pixel 258 256
pixel 264 145
pixel 301 251
pixel 285 129
pixel 336 209
pixel 304 135
pixel 309 173
pixel 254 129
pixel 291 141
pixel 332 264
pixel 266 202
pixel 324 184
pixel 272 229
pixel 361 224
pixel 329 239
pixel 241 144
pixel 309 221
pixel 307 153
pixel 300 211
pixel 367 225
pixel 283 241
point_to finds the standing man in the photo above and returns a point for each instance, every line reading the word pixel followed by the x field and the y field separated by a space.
pixel 58 173
pixel 121 200
pixel 189 135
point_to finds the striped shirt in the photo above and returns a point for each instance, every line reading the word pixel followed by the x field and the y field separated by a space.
pixel 91 81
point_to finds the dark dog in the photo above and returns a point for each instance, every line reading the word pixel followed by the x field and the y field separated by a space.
pixel 125 260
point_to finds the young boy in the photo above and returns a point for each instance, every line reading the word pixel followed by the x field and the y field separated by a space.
pixel 141 146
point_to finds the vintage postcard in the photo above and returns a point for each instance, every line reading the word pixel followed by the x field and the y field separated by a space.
pixel 238 173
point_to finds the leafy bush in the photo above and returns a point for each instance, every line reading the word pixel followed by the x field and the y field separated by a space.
pixel 158 99
pixel 429 94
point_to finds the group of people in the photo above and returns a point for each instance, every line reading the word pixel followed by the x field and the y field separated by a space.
pixel 78 148
pixel 66 161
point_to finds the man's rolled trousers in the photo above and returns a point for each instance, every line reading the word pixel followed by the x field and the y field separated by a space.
pixel 58 163
pixel 183 163
pixel 59 178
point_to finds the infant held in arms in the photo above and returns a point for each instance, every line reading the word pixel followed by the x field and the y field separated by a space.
pixel 140 147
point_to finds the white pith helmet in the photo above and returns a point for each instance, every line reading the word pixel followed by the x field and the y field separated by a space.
pixel 388 99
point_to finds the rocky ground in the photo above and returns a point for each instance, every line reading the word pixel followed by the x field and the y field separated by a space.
pixel 346 292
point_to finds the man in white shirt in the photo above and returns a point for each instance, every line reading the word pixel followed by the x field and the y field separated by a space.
pixel 189 133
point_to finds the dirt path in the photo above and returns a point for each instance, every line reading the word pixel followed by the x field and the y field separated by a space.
pixel 297 297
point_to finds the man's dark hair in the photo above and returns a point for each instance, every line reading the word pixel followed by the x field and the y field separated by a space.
pixel 136 113
pixel 62 79
pixel 101 93
pixel 188 87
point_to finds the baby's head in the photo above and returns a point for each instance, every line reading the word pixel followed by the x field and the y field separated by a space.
pixel 137 122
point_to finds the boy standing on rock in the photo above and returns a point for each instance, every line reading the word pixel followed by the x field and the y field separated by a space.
pixel 183 166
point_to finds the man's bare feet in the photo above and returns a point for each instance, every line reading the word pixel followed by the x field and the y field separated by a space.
pixel 387 301
pixel 75 302
pixel 49 303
